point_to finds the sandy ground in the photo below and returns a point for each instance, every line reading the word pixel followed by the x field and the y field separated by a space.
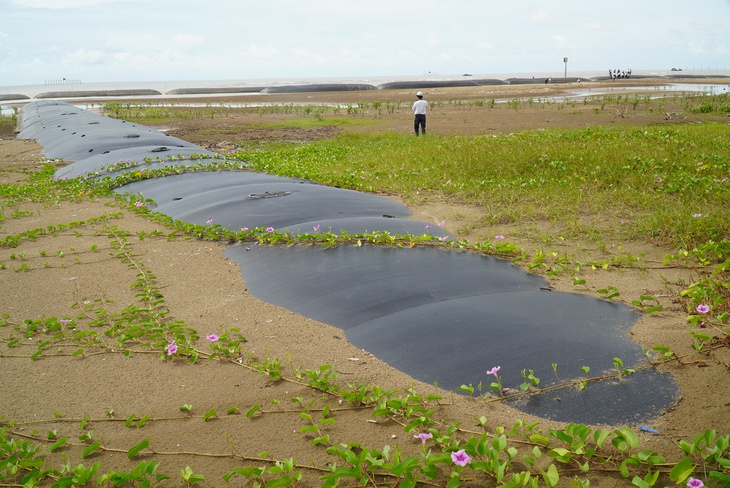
pixel 77 266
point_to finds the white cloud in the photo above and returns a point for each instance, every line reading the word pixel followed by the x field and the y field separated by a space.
pixel 540 16
pixel 83 56
pixel 188 39
pixel 60 4
pixel 262 52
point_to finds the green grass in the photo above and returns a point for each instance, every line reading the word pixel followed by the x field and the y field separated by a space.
pixel 643 183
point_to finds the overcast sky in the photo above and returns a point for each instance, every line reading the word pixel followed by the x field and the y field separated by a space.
pixel 145 40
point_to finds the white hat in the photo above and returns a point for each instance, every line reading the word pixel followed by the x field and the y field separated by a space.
pixel 419 94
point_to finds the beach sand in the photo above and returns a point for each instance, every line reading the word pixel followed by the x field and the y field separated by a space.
pixel 205 290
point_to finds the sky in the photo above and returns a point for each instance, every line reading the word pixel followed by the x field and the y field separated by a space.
pixel 141 40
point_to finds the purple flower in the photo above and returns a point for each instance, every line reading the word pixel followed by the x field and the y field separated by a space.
pixel 212 337
pixel 700 164
pixel 695 483
pixel 316 227
pixel 499 237
pixel 443 238
pixel 245 229
pixel 171 348
pixel 524 184
pixel 139 204
pixel 65 321
pixel 659 180
pixel 697 215
pixel 209 221
pixel 424 436
pixel 269 230
pixel 702 308
pixel 428 227
pixel 442 223
pixel 448 182
pixel 494 371
pixel 460 458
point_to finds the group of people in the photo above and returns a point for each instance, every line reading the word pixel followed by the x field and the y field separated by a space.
pixel 617 73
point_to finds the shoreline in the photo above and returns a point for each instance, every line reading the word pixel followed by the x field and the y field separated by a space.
pixel 466 81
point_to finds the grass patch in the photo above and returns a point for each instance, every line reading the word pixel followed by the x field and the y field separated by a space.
pixel 667 184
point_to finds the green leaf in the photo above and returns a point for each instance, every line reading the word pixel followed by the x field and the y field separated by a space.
pixel 90 450
pixel 321 440
pixel 629 436
pixel 135 450
pixel 539 439
pixel 640 483
pixel 551 476
pixel 682 470
pixel 59 443
pixel 252 411
pixel 207 415
pixel 560 454
pixel 600 436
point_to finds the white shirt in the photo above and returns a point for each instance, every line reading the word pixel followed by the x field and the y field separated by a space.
pixel 419 107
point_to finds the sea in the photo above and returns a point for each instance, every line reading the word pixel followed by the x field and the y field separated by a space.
pixel 27 92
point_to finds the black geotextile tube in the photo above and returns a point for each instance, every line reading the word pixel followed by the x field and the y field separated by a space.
pixel 438 314
pixel 318 87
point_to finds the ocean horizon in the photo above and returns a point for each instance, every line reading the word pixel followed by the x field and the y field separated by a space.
pixel 164 86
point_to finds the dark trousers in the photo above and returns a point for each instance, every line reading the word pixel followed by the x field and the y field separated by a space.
pixel 420 120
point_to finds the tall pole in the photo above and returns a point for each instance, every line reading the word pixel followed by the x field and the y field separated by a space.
pixel 565 60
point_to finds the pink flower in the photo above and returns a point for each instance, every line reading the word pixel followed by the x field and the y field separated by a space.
pixel 424 436
pixel 524 184
pixel 138 204
pixel 212 337
pixel 697 215
pixel 428 227
pixel 460 458
pixel 443 238
pixel 700 163
pixel 269 230
pixel 448 182
pixel 499 237
pixel 442 223
pixel 695 483
pixel 494 371
pixel 702 308
pixel 316 227
pixel 209 221
pixel 245 229
pixel 659 180
pixel 171 348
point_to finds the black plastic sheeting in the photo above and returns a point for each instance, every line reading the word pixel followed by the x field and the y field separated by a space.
pixel 98 93
pixel 238 199
pixel 136 158
pixel 318 87
pixel 12 96
pixel 439 315
pixel 74 134
pixel 400 85
pixel 448 317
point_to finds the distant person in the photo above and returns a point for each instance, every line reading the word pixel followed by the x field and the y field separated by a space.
pixel 419 111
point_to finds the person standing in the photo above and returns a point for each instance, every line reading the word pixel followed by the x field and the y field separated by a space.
pixel 419 110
